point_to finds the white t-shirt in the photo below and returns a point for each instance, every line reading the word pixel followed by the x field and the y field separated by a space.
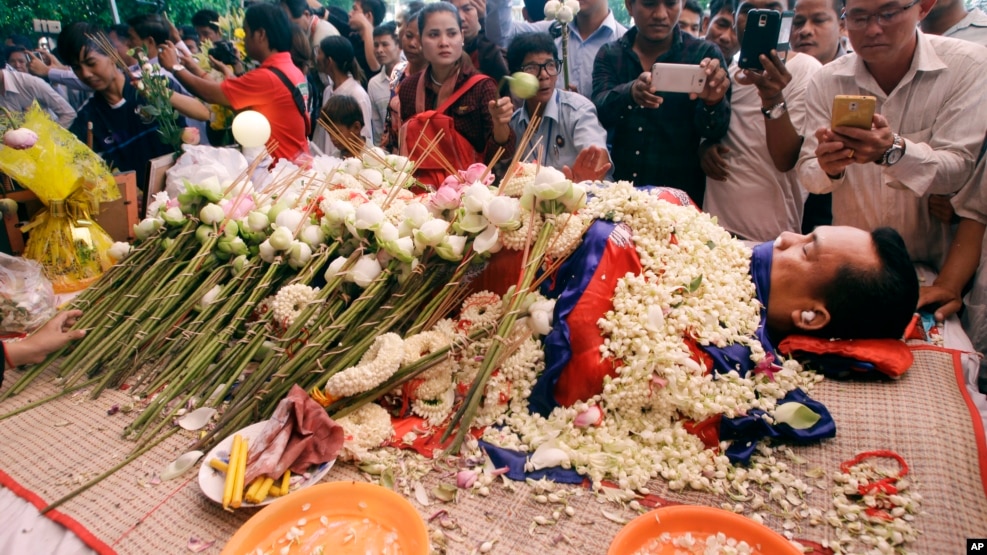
pixel 349 87
pixel 757 202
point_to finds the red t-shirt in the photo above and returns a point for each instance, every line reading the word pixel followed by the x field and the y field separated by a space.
pixel 263 91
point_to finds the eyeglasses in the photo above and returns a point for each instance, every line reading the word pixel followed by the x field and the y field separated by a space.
pixel 551 68
pixel 859 21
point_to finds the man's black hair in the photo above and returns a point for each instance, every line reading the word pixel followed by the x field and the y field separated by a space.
pixel 296 8
pixel 74 38
pixel 535 9
pixel 206 18
pixel 189 33
pixel 21 40
pixel 339 19
pixel 152 26
pixel 874 303
pixel 376 8
pixel 7 51
pixel 529 43
pixel 389 28
pixel 121 29
pixel 693 6
pixel 717 6
pixel 274 22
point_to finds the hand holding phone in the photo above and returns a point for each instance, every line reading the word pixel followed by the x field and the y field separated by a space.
pixel 680 78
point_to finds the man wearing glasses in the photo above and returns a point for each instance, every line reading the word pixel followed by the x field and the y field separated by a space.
pixel 570 135
pixel 924 138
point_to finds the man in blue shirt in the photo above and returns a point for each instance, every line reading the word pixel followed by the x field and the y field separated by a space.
pixel 569 125
pixel 593 27
pixel 655 136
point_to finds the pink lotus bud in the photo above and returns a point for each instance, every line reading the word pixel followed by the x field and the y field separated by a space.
pixel 190 136
pixel 20 139
pixel 446 198
pixel 466 478
pixel 592 416
pixel 474 172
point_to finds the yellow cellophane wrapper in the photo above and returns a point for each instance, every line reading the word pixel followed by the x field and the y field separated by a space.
pixel 70 180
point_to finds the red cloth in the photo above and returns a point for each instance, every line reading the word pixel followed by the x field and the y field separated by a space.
pixel 298 435
pixel 890 356
pixel 263 91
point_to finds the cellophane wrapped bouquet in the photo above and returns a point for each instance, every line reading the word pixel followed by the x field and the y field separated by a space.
pixel 70 180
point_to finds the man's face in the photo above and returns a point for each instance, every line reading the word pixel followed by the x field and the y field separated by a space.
pixel 95 69
pixel 19 61
pixel 880 30
pixel 546 83
pixel 133 39
pixel 386 50
pixel 252 41
pixel 748 5
pixel 470 17
pixel 816 29
pixel 357 10
pixel 803 265
pixel 722 34
pixel 654 19
pixel 207 33
pixel 689 22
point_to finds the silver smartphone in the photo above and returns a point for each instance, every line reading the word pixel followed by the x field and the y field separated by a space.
pixel 681 78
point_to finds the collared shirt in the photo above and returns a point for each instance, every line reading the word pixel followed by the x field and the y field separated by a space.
pixel 379 89
pixel 656 146
pixel 262 90
pixel 569 125
pixel 500 27
pixel 937 108
pixel 20 90
pixel 972 28
pixel 756 201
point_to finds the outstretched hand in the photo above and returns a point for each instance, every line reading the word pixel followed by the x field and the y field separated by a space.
pixel 591 164
pixel 54 335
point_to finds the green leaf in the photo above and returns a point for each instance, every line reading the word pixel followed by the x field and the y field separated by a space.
pixel 711 245
pixel 694 284
pixel 796 415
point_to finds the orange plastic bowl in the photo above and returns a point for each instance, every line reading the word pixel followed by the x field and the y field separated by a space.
pixel 702 522
pixel 345 517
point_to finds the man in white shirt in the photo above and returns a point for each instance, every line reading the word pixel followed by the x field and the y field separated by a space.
pixel 387 52
pixel 593 27
pixel 949 18
pixel 751 186
pixel 924 138
pixel 18 91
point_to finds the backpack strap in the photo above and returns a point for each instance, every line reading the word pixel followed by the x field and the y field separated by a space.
pixel 296 95
pixel 469 84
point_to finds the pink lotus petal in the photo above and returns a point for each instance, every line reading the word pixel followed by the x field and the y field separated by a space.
pixel 466 478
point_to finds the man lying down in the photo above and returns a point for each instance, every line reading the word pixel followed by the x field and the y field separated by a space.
pixel 661 358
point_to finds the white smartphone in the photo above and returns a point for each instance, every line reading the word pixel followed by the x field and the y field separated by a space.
pixel 681 78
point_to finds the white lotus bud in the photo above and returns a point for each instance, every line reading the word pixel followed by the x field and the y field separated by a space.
pixel 211 214
pixel 368 216
pixel 334 267
pixel 299 254
pixel 119 250
pixel 257 221
pixel 289 218
pixel 313 235
pixel 267 252
pixel 281 239
pixel 365 270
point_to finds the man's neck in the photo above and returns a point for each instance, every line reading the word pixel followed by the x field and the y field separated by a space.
pixel 388 68
pixel 113 94
pixel 649 51
pixel 939 23
pixel 888 75
pixel 588 21
pixel 533 108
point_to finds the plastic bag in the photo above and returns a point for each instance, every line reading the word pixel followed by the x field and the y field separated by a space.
pixel 201 161
pixel 71 181
pixel 26 298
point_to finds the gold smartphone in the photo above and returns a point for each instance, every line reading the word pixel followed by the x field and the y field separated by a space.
pixel 853 111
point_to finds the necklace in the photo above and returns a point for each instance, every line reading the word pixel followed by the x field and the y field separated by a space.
pixel 432 77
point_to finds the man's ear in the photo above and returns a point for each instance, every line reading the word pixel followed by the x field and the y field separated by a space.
pixel 811 319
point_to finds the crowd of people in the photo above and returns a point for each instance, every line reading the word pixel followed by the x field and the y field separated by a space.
pixel 755 148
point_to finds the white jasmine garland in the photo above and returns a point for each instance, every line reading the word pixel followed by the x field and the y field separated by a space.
pixel 289 302
pixel 366 428
pixel 379 363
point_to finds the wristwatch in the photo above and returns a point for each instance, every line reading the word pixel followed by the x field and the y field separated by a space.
pixel 776 111
pixel 177 67
pixel 894 152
